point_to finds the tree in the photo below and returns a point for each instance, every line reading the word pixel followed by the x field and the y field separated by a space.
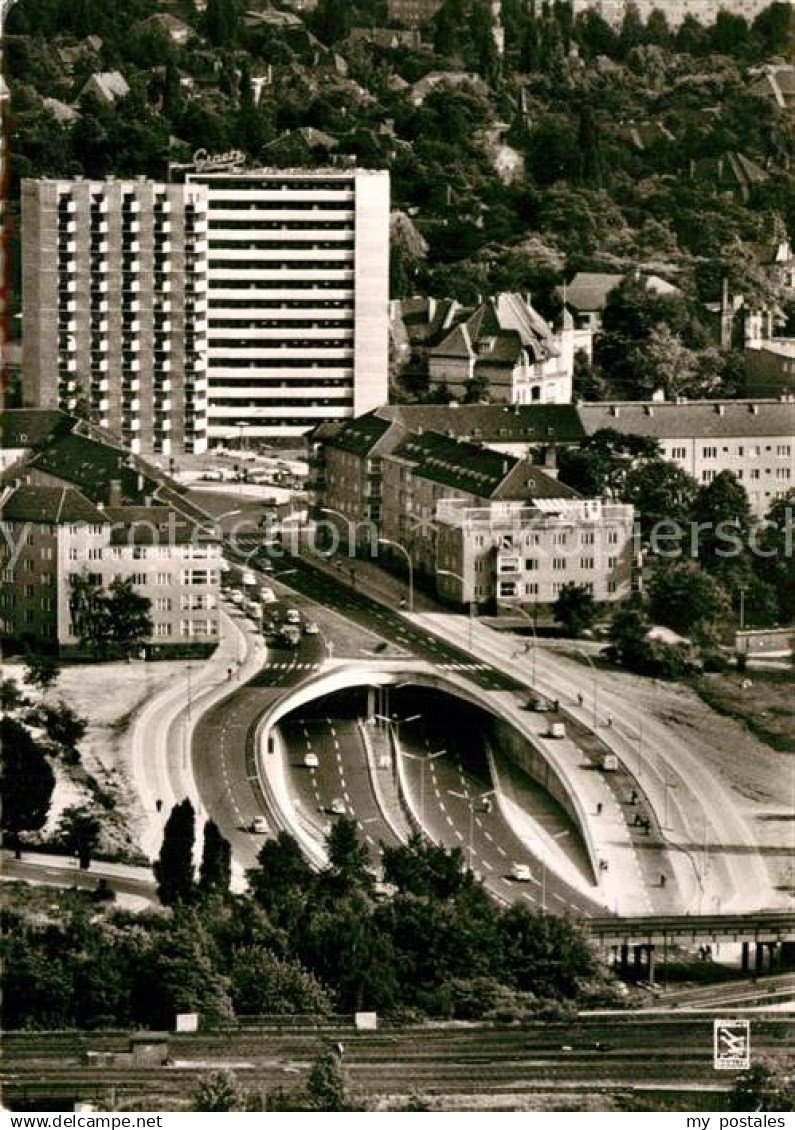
pixel 129 615
pixel 326 1084
pixel 221 22
pixel 264 984
pixel 575 609
pixel 41 671
pixel 349 862
pixel 219 1091
pixel 759 1089
pixel 685 598
pixel 283 879
pixel 477 390
pixel 215 873
pixel 26 782
pixel 721 518
pixel 425 869
pixel 661 493
pixel 64 727
pixel 80 831
pixel 174 867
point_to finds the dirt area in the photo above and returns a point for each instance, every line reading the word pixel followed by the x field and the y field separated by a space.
pixel 109 695
pixel 764 701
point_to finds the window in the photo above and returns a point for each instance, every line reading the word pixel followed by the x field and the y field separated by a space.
pixel 139 578
pixel 73 553
pixel 95 555
pixel 783 449
pixel 46 604
pixel 707 476
pixel 531 563
pixel 560 539
pixel 46 580
pixel 30 616
pixel 30 539
pixel 46 553
pixel 162 630
pixel 195 577
pixel 558 564
pixel 709 452
pixel 163 604
pixel 531 589
pixel 588 539
pixel 612 537
pixel 612 586
pixel 755 473
pixel 139 553
pixel 507 588
pixel 612 562
pixel 162 578
pixel 679 453
pixel 28 565
pixel 586 562
pixel 30 590
pixel 557 587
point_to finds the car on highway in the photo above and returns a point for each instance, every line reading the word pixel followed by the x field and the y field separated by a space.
pixel 290 635
pixel 538 704
pixel 311 760
pixel 259 826
pixel 521 872
pixel 292 616
pixel 236 597
pixel 337 807
pixel 311 628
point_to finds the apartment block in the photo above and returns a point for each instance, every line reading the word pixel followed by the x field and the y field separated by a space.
pixel 754 439
pixel 114 308
pixel 54 534
pixel 298 299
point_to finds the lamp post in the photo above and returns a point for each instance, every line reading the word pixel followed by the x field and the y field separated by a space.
pixel 407 555
pixel 590 662
pixel 423 758
pixel 531 620
pixel 470 801
pixel 348 522
pixel 458 577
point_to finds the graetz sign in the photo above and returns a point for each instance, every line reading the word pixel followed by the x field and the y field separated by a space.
pixel 204 161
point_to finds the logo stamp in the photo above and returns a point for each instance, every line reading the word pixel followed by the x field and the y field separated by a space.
pixel 732 1045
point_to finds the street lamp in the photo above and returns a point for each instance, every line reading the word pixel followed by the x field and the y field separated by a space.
pixel 349 522
pixel 532 622
pixel 471 800
pixel 423 758
pixel 407 555
pixel 458 577
pixel 590 662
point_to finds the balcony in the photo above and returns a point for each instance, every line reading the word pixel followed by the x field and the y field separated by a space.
pixel 66 385
pixel 99 345
pixel 67 325
pixel 99 325
pixel 99 308
pixel 162 267
pixel 162 326
pixel 100 364
pixel 66 204
pixel 162 207
pixel 67 365
pixel 130 325
pixel 99 266
pixel 99 228
pixel 130 305
pixel 130 404
pixel 162 365
pixel 161 306
pixel 161 384
pixel 130 365
pixel 67 247
pixel 67 227
pixel 130 286
pixel 99 206
pixel 162 227
pixel 131 266
pixel 131 346
pixel 99 246
pixel 101 403
pixel 98 286
pixel 130 247
pixel 131 206
pixel 66 287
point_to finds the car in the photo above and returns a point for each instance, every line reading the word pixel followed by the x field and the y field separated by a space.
pixel 267 596
pixel 265 563
pixel 539 704
pixel 259 826
pixel 311 629
pixel 337 807
pixel 236 597
pixel 311 760
pixel 292 616
pixel 521 872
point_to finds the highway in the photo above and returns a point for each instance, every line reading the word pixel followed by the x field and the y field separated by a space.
pixel 223 746
pixel 626 1051
pixel 342 774
pixel 135 885
pixel 450 794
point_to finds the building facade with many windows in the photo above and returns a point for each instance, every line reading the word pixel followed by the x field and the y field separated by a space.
pixel 298 298
pixel 114 307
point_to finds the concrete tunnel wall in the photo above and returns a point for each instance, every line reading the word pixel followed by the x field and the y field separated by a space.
pixel 518 744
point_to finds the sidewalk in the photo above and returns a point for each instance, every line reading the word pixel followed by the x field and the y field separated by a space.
pixel 371 579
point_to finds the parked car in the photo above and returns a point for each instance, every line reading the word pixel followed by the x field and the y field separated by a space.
pixel 311 760
pixel 539 704
pixel 521 872
pixel 311 628
pixel 259 826
pixel 556 730
pixel 292 616
pixel 337 807
pixel 290 635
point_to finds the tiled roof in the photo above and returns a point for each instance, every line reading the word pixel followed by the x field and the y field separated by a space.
pixel 492 423
pixel 152 525
pixel 49 505
pixel 692 419
pixel 32 427
pixel 589 290
pixel 361 435
pixel 459 465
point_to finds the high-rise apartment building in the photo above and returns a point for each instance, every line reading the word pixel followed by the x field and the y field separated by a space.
pixel 298 298
pixel 230 306
pixel 114 307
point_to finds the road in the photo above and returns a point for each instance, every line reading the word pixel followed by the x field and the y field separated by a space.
pixel 631 1052
pixel 135 885
pixel 449 792
pixel 223 746
pixel 342 774
pixel 676 784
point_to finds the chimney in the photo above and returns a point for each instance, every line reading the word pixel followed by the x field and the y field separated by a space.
pixel 551 462
pixel 114 492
